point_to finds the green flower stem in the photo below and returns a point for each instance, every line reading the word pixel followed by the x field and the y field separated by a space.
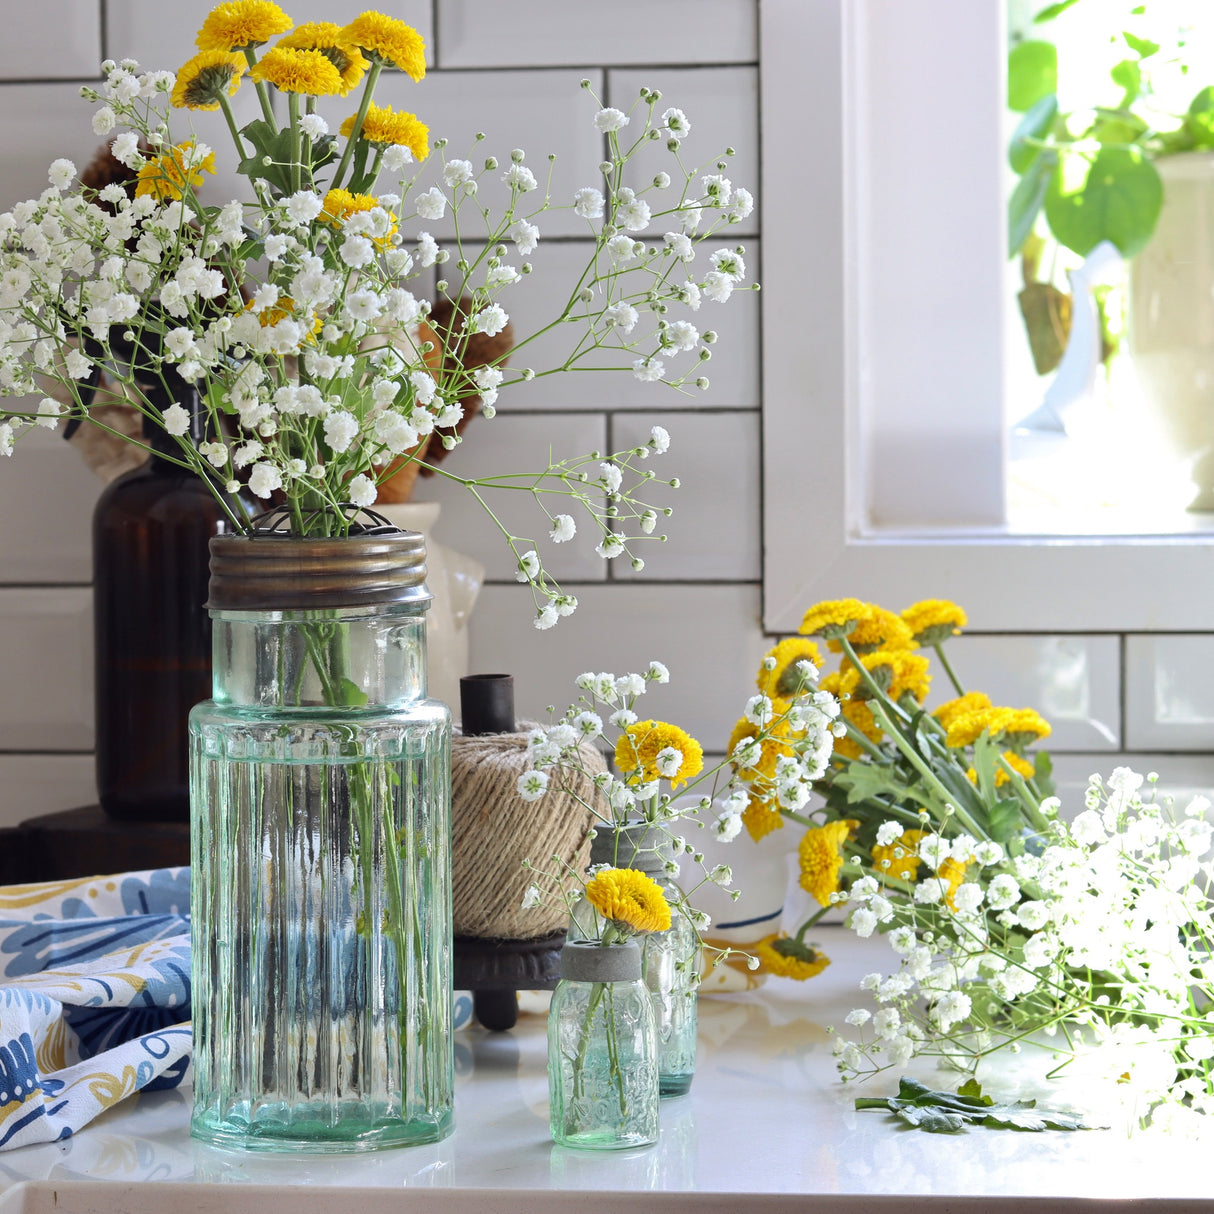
pixel 917 762
pixel 363 106
pixel 263 92
pixel 293 112
pixel 948 669
pixel 231 121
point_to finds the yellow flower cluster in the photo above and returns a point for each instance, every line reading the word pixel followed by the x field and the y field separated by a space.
pixel 628 897
pixel 638 747
pixel 821 857
pixel 385 125
pixel 1015 727
pixel 203 80
pixel 788 957
pixel 901 862
pixel 784 679
pixel 166 176
pixel 318 58
pixel 933 621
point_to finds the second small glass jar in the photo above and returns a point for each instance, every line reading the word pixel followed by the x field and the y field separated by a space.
pixel 602 1050
pixel 668 959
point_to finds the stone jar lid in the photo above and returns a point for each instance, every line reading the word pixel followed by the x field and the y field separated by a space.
pixel 276 572
pixel 589 961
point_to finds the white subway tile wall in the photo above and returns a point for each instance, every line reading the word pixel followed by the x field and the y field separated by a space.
pixel 511 68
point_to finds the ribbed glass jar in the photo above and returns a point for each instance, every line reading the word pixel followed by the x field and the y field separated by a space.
pixel 668 959
pixel 321 882
pixel 602 1050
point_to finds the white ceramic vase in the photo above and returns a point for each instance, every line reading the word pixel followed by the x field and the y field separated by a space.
pixel 1171 318
pixel 455 580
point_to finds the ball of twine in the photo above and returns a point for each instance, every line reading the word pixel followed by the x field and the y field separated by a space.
pixel 494 830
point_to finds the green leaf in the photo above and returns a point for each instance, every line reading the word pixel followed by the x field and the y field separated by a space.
pixel 277 146
pixel 1127 75
pixel 946 1113
pixel 1199 121
pixel 1005 820
pixel 1032 73
pixel 350 695
pixel 1114 197
pixel 865 781
pixel 1144 48
pixel 1027 199
pixel 1035 125
pixel 1043 773
pixel 1053 10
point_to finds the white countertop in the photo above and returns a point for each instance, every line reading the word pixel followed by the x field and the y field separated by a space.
pixel 766 1116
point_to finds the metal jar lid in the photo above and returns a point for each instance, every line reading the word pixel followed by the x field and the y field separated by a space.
pixel 276 572
pixel 589 961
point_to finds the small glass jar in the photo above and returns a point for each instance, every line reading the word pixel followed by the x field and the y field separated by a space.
pixel 668 959
pixel 602 1050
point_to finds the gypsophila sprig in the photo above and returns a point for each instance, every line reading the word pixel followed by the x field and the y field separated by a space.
pixel 1089 939
pixel 297 315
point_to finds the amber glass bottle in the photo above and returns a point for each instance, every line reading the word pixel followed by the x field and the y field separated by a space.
pixel 152 632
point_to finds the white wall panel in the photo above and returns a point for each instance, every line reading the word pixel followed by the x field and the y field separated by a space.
pixel 56 40
pixel 488 33
pixel 516 444
pixel 541 112
pixel 708 636
pixel 713 533
pixel 722 105
pixel 46 501
pixel 46 688
pixel 1169 692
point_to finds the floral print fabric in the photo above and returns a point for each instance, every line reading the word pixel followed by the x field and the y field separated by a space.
pixel 94 998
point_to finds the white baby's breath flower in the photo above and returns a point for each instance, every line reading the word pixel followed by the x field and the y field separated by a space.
pixel 657 673
pixel 621 316
pixel 176 420
pixel 528 567
pixel 362 491
pixel 610 119
pixel 563 529
pixel 611 546
pixel 525 236
pixel 727 827
pixel 532 897
pixel 546 617
pixel 532 785
pixel 104 121
pixel 314 126
pixel 659 439
pixel 520 177
pixel 61 173
pixel 675 124
pixel 264 479
pixel 648 370
pixel 432 204
pixel 490 321
pixel 49 412
pixel 457 173
pixel 588 203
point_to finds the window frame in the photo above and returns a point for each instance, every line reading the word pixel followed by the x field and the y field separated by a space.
pixel 866 424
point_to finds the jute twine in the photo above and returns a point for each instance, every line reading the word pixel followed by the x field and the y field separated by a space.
pixel 494 830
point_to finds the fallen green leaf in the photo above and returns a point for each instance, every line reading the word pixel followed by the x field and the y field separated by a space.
pixel 950 1112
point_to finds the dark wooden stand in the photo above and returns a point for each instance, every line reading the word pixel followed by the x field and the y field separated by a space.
pixel 85 843
pixel 494 970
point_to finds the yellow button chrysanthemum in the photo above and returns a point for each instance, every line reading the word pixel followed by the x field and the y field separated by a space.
pixel 876 629
pixel 972 701
pixel 330 40
pixel 205 78
pixel 821 856
pixel 628 897
pixel 294 71
pixel 384 125
pixel 933 621
pixel 237 24
pixel 760 818
pixel 784 679
pixel 639 746
pixel 1010 726
pixel 166 176
pixel 389 40
pixel 787 957
pixel 834 617
pixel 900 859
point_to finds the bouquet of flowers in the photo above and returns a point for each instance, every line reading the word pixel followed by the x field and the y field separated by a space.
pixel 291 314
pixel 964 767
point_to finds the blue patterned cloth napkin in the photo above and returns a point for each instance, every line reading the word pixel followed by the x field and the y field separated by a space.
pixel 94 998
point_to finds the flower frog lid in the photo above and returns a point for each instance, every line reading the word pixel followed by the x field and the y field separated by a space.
pixel 593 961
pixel 636 844
pixel 271 571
